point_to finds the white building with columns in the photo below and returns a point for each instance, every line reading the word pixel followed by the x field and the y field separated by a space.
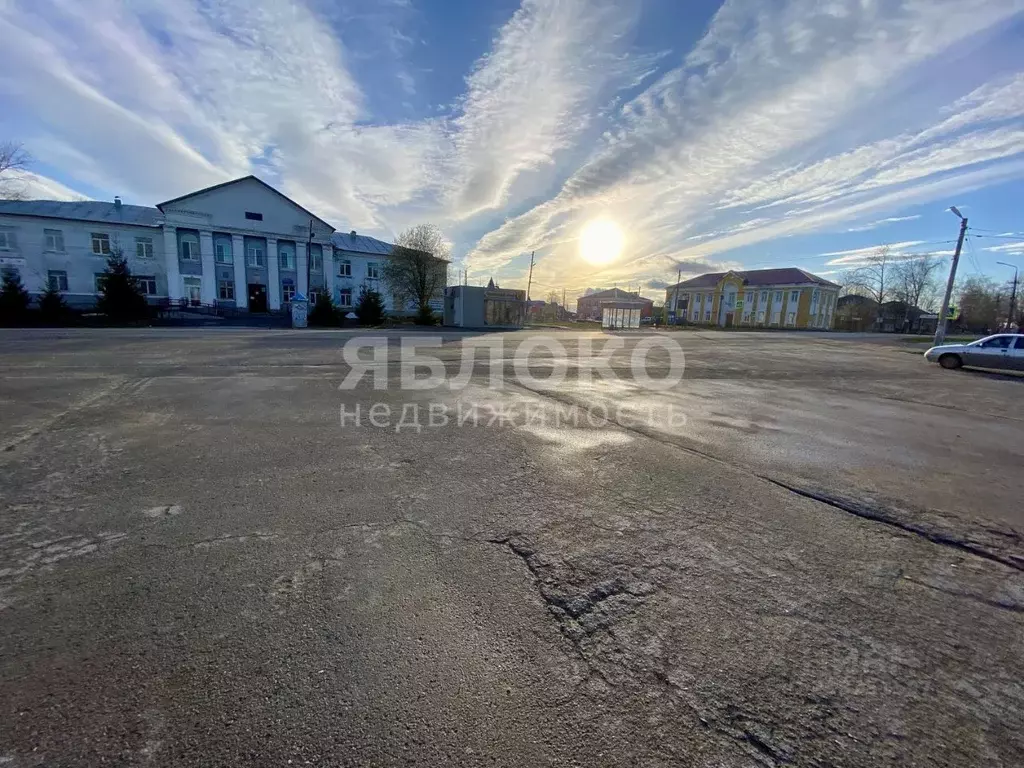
pixel 240 244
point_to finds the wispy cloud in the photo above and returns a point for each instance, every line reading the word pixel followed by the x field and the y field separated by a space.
pixel 763 86
pixel 883 222
pixel 784 118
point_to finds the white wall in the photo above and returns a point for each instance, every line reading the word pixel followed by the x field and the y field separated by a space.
pixel 77 259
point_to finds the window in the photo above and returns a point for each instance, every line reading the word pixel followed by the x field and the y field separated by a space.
pixel 286 258
pixel 100 243
pixel 775 317
pixel 1020 343
pixel 748 297
pixel 222 252
pixel 226 290
pixel 997 342
pixel 7 240
pixel 707 315
pixel 345 268
pixel 372 273
pixel 794 295
pixel 189 250
pixel 147 284
pixel 253 216
pixel 316 259
pixel 99 278
pixel 345 297
pixel 54 240
pixel 314 297
pixel 764 296
pixel 254 256
pixel 58 281
pixel 791 318
pixel 144 247
pixel 760 316
pixel 778 297
pixel 287 290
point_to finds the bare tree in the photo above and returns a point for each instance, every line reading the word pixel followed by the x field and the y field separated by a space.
pixel 417 270
pixel 874 277
pixel 13 158
pixel 915 280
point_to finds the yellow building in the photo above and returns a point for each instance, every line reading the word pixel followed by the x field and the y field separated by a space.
pixel 758 298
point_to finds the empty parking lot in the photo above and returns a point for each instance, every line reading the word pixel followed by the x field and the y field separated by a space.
pixel 806 552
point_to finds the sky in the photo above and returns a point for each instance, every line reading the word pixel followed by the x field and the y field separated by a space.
pixel 735 135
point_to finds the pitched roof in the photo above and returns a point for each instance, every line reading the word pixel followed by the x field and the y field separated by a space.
pixel 349 241
pixel 236 181
pixel 84 210
pixel 613 293
pixel 757 277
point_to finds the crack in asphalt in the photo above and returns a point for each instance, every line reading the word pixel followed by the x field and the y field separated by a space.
pixel 572 610
pixel 880 516
pixel 874 514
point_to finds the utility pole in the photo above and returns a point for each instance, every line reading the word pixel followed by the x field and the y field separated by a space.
pixel 675 297
pixel 1013 295
pixel 309 259
pixel 940 327
pixel 529 281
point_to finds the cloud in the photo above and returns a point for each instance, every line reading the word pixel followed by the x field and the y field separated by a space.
pixel 762 88
pixel 34 186
pixel 1011 248
pixel 896 251
pixel 883 222
pixel 784 119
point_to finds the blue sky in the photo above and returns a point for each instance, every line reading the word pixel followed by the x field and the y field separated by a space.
pixel 716 135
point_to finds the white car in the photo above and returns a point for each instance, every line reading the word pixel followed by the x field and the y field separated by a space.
pixel 1003 350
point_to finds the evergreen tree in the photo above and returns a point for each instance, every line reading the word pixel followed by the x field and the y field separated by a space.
pixel 369 306
pixel 53 310
pixel 14 299
pixel 325 314
pixel 121 298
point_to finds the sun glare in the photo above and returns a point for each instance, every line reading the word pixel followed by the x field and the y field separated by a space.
pixel 601 241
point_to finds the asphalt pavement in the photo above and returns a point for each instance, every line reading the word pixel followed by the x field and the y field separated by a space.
pixel 807 551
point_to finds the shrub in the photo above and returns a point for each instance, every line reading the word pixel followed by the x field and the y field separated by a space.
pixel 14 299
pixel 369 307
pixel 425 316
pixel 325 313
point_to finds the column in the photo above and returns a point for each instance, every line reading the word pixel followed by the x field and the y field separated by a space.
pixel 171 261
pixel 329 270
pixel 208 293
pixel 273 276
pixel 301 264
pixel 241 284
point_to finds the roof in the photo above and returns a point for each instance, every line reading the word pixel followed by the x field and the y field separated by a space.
pixel 613 293
pixel 84 210
pixel 360 243
pixel 236 181
pixel 756 277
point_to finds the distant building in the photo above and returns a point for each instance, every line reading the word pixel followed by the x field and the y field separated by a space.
pixel 590 307
pixel 470 306
pixel 241 245
pixel 771 298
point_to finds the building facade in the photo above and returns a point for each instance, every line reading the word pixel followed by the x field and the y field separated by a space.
pixel 768 298
pixel 241 244
pixel 591 306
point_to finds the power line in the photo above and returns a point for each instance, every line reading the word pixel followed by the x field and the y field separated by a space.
pixel 1002 237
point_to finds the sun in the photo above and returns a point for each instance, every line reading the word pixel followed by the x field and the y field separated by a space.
pixel 601 241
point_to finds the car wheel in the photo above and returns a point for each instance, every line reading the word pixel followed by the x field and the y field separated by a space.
pixel 950 362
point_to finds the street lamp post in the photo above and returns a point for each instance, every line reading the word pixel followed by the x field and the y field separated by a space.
pixel 1013 293
pixel 940 326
